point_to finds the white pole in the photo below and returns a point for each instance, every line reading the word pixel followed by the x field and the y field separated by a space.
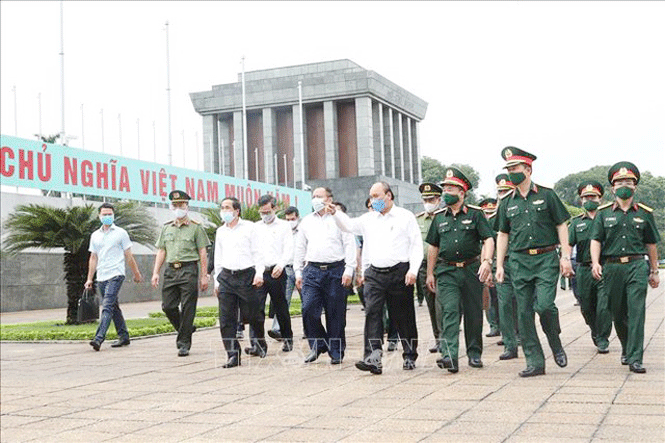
pixel 256 164
pixel 244 122
pixel 39 103
pixel 120 133
pixel 221 159
pixel 15 113
pixel 212 156
pixel 286 172
pixel 294 170
pixel 154 142
pixel 82 128
pixel 101 112
pixel 302 142
pixel 276 168
pixel 62 72
pixel 168 92
pixel 138 140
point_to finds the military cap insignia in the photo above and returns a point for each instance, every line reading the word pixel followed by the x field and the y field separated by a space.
pixel 449 173
pixel 508 153
pixel 589 188
pixel 502 182
pixel 427 188
pixel 623 171
pixel 176 195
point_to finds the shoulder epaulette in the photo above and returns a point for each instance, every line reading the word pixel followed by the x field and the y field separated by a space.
pixel 606 205
pixel 511 192
pixel 578 215
pixel 440 210
pixel 169 222
pixel 645 207
pixel 474 207
pixel 420 214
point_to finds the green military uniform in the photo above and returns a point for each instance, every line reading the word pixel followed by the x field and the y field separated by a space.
pixel 505 292
pixel 593 303
pixel 488 206
pixel 623 237
pixel 531 223
pixel 424 220
pixel 181 239
pixel 458 237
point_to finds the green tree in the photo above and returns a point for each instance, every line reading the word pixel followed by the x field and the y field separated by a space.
pixel 41 226
pixel 48 138
pixel 434 172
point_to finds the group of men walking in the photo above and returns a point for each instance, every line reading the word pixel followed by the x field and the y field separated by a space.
pixel 446 251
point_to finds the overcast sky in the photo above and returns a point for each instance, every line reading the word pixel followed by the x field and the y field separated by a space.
pixel 577 84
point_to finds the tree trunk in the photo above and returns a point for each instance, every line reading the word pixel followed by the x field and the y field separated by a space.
pixel 76 273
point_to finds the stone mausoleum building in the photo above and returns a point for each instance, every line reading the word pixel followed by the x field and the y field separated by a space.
pixel 358 128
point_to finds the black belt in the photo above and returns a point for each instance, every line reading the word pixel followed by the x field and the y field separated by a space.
pixel 389 269
pixel 464 263
pixel 180 264
pixel 537 251
pixel 624 259
pixel 326 266
pixel 238 271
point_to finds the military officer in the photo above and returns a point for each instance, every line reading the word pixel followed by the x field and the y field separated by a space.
pixel 431 196
pixel 623 232
pixel 182 244
pixel 531 221
pixel 593 304
pixel 488 206
pixel 505 292
pixel 454 238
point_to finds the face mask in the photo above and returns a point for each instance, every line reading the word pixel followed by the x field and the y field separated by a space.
pixel 317 204
pixel 227 216
pixel 624 192
pixel 516 177
pixel 267 218
pixel 107 219
pixel 293 223
pixel 430 207
pixel 450 199
pixel 378 205
pixel 590 205
pixel 179 212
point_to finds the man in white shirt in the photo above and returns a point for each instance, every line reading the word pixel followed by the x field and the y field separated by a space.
pixel 330 255
pixel 239 272
pixel 392 252
pixel 276 240
pixel 292 217
pixel 110 247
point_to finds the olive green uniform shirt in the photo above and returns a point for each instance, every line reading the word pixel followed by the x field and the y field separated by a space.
pixel 182 243
pixel 531 221
pixel 424 220
pixel 579 233
pixel 458 237
pixel 624 233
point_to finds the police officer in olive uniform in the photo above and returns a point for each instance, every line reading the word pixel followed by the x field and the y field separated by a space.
pixel 504 290
pixel 182 244
pixel 431 196
pixel 455 237
pixel 488 206
pixel 593 304
pixel 623 232
pixel 531 221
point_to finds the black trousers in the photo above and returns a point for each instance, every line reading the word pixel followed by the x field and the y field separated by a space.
pixel 389 288
pixel 276 287
pixel 181 287
pixel 236 291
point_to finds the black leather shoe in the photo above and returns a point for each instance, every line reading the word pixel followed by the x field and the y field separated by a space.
pixel 371 367
pixel 276 335
pixel 500 342
pixel 493 333
pixel 434 349
pixel 408 364
pixel 603 349
pixel 312 356
pixel 335 361
pixel 532 372
pixel 637 368
pixel 288 345
pixel 624 360
pixel 475 362
pixel 448 363
pixel 183 352
pixel 560 359
pixel 392 345
pixel 120 343
pixel 233 361
pixel 256 351
pixel 95 345
pixel 508 355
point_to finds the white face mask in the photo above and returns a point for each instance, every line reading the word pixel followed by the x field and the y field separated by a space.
pixel 267 218
pixel 226 216
pixel 430 207
pixel 293 223
pixel 179 212
pixel 317 204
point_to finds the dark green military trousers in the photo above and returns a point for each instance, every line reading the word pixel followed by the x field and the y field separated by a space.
pixel 594 306
pixel 430 299
pixel 181 288
pixel 507 310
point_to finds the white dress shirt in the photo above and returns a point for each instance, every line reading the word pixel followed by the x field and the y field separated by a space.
pixel 387 239
pixel 110 247
pixel 237 248
pixel 320 240
pixel 276 242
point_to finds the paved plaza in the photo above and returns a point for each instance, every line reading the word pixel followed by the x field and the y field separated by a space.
pixel 145 393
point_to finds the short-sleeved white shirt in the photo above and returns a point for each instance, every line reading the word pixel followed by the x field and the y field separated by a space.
pixel 110 247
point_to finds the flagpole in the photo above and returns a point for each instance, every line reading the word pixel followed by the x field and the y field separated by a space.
pixel 62 73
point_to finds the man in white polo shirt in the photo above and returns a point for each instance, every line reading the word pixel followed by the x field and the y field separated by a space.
pixel 109 247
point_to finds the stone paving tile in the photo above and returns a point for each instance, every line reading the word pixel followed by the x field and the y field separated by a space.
pixel 631 433
pixel 566 418
pixel 635 420
pixel 386 436
pixel 557 430
pixel 467 435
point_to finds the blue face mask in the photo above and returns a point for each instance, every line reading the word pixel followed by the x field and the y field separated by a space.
pixel 378 204
pixel 107 219
pixel 227 216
